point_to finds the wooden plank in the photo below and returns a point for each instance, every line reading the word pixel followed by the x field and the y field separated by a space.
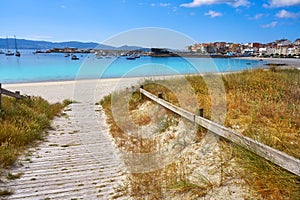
pixel 11 94
pixel 0 96
pixel 277 157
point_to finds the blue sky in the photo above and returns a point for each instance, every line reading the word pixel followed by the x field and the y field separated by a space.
pixel 203 20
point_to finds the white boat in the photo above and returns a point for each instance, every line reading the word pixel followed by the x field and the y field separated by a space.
pixel 74 57
pixel 9 53
pixel 131 57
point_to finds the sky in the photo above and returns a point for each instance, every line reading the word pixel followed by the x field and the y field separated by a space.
pixel 104 21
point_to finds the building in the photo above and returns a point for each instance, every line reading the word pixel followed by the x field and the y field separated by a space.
pixel 282 47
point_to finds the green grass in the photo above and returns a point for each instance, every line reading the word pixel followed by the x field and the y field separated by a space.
pixel 22 122
pixel 261 104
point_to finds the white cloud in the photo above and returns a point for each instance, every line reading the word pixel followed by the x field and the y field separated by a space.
pixel 164 4
pixel 160 4
pixel 198 3
pixel 213 14
pixel 281 3
pixel 271 25
pixel 258 16
pixel 62 6
pixel 286 14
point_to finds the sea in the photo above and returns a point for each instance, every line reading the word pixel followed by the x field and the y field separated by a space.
pixel 42 67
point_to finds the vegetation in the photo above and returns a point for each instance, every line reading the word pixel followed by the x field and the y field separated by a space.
pixel 5 192
pixel 261 104
pixel 22 122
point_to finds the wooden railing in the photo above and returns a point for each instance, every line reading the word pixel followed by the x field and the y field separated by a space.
pixel 15 94
pixel 277 157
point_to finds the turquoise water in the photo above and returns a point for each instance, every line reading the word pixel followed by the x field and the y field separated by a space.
pixel 55 67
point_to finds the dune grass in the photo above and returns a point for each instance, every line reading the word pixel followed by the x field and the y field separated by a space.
pixel 22 122
pixel 261 104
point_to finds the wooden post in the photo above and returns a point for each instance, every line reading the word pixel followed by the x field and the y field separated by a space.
pixel 0 95
pixel 160 95
pixel 141 95
pixel 201 112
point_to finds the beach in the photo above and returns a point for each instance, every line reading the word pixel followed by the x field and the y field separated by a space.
pixel 93 90
pixel 81 148
pixel 78 155
pixel 290 62
pixel 90 91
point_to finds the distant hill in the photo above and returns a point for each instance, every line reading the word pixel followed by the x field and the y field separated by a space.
pixel 32 44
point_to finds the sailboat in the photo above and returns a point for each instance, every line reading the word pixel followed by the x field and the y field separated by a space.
pixel 18 54
pixel 8 52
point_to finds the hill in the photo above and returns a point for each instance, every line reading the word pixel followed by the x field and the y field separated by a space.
pixel 32 44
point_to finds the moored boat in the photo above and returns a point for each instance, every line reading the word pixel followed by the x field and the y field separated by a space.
pixel 131 57
pixel 8 52
pixel 18 54
pixel 74 57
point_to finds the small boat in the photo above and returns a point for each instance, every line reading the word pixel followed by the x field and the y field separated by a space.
pixel 38 51
pixel 74 57
pixel 67 54
pixel 8 52
pixel 1 52
pixel 18 54
pixel 131 57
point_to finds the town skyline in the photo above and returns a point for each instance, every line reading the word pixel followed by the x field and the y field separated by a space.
pixel 85 45
pixel 201 20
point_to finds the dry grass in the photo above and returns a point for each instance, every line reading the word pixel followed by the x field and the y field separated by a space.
pixel 21 123
pixel 263 105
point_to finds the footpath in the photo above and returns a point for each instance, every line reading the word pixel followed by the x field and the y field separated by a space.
pixel 77 160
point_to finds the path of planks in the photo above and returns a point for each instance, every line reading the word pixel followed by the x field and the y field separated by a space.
pixel 78 160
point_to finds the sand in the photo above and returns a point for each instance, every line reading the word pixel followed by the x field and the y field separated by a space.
pixel 78 158
pixel 290 62
pixel 81 90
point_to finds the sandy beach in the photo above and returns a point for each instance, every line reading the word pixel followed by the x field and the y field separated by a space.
pixel 95 89
pixel 78 155
pixel 80 90
pixel 83 137
pixel 290 62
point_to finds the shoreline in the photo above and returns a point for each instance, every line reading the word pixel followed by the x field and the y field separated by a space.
pixel 57 91
pixel 290 62
pixel 91 90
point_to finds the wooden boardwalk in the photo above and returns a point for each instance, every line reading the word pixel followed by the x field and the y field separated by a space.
pixel 78 160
